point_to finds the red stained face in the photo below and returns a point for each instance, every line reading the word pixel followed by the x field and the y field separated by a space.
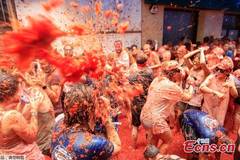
pixel 118 46
pixel 146 49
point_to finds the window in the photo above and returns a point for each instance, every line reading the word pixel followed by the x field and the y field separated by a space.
pixel 4 13
pixel 231 26
pixel 7 10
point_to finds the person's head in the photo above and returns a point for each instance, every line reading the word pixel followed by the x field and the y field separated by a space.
pixel 211 39
pixel 161 50
pixel 236 73
pixel 151 152
pixel 8 87
pixel 217 51
pixel 224 68
pixel 196 61
pixel 225 46
pixel 166 56
pixel 230 52
pixel 118 46
pixel 134 47
pixel 46 67
pixel 128 49
pixel 188 46
pixel 141 58
pixel 206 40
pixel 68 50
pixel 78 104
pixel 169 45
pixel 181 51
pixel 172 71
pixel 147 49
pixel 36 76
pixel 151 43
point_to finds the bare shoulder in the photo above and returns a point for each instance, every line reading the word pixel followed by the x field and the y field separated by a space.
pixel 11 113
pixel 12 117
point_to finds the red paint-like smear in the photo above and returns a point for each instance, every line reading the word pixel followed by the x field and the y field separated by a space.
pixel 134 91
pixel 31 42
pixel 52 4
pixel 114 21
pixel 98 7
pixel 122 27
pixel 34 42
pixel 91 63
pixel 85 9
pixel 108 13
pixel 78 29
pixel 7 62
pixel 74 4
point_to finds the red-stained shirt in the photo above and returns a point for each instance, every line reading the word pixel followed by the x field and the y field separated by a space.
pixel 162 96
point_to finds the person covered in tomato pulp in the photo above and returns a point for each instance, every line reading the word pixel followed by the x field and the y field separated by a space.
pixel 75 136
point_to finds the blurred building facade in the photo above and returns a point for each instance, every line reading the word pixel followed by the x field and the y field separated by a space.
pixel 161 20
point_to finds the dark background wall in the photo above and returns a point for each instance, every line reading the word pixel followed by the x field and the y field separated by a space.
pixel 231 5
pixel 178 24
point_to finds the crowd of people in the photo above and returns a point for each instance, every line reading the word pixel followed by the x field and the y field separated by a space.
pixel 187 88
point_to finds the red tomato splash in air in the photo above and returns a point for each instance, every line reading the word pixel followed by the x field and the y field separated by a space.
pixel 52 4
pixel 122 28
pixel 74 4
pixel 98 8
pixel 78 29
pixel 30 42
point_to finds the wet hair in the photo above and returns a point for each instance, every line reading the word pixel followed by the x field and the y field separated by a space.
pixel 118 41
pixel 170 73
pixel 8 85
pixel 134 45
pixel 206 40
pixel 195 56
pixel 141 58
pixel 188 46
pixel 151 151
pixel 198 44
pixel 129 48
pixel 77 102
pixel 151 43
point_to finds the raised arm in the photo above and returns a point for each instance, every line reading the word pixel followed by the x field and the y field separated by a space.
pixel 190 54
pixel 54 92
pixel 187 58
pixel 203 62
pixel 112 134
